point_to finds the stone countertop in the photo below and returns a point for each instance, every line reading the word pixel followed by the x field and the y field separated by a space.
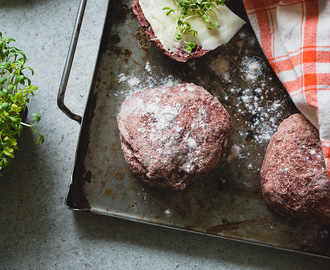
pixel 37 231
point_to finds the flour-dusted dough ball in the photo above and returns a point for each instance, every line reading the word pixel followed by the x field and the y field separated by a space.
pixel 173 136
pixel 294 179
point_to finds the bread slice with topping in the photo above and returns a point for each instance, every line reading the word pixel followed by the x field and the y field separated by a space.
pixel 196 35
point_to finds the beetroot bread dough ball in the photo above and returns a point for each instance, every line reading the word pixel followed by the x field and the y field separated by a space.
pixel 173 136
pixel 294 179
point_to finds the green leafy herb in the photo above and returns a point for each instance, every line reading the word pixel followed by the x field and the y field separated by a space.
pixel 188 9
pixel 15 89
pixel 190 46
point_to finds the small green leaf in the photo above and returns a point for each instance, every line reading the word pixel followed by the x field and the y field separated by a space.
pixel 4 162
pixel 10 87
pixel 19 129
pixel 190 46
pixel 4 105
pixel 2 80
pixel 169 10
pixel 37 117
pixel 41 139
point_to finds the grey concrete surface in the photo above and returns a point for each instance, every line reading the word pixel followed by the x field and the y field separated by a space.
pixel 36 229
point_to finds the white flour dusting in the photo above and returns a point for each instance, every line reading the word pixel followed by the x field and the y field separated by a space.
pixel 252 69
pixel 221 67
pixel 163 114
pixel 168 212
pixel 133 81
pixel 147 66
pixel 262 120
pixel 242 35
pixel 122 77
pixel 234 152
pixel 147 82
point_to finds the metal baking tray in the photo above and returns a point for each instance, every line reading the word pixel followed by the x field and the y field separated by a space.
pixel 228 203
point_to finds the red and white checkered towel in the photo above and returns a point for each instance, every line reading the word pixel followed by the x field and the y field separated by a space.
pixel 295 37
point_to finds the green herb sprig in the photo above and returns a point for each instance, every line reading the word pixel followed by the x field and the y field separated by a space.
pixel 15 89
pixel 188 9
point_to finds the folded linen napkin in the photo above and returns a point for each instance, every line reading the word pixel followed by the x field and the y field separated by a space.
pixel 295 37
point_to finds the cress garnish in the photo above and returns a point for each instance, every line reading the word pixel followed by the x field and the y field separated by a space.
pixel 187 9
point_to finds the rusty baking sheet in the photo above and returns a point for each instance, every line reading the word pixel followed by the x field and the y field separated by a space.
pixel 228 203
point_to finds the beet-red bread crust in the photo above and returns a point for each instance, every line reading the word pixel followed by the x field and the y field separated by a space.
pixel 294 179
pixel 180 55
pixel 173 136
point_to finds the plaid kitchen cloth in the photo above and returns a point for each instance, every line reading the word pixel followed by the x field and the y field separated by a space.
pixel 295 37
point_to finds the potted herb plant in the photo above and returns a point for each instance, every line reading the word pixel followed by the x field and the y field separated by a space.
pixel 15 89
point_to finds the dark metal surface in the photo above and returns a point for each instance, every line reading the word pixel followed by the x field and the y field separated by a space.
pixel 228 202
pixel 68 63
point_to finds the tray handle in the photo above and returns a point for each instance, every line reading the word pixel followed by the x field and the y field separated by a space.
pixel 68 64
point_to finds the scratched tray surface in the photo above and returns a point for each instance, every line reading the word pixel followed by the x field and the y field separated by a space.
pixel 228 202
